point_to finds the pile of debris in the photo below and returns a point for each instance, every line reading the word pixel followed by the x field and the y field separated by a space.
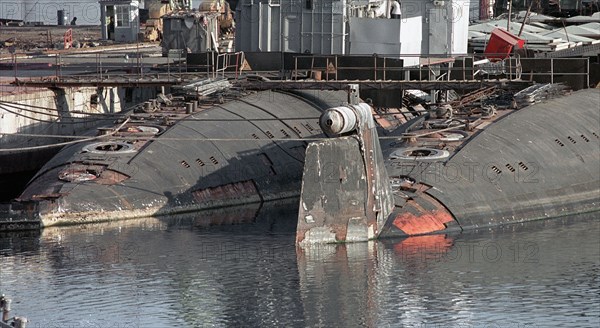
pixel 538 93
pixel 33 38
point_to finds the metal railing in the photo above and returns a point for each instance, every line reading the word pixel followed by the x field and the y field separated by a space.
pixel 127 66
pixel 328 67
pixel 224 63
pixel 136 66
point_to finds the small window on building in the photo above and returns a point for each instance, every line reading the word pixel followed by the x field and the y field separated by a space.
pixel 122 15
pixel 94 100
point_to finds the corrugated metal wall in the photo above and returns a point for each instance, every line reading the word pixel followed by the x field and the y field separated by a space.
pixel 273 25
pixel 323 27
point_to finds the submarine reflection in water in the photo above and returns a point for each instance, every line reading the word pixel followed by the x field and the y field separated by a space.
pixel 498 277
pixel 183 271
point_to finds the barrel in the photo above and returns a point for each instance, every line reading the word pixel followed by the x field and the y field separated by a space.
pixel 62 17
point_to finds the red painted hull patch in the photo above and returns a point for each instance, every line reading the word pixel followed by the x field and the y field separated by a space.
pixel 414 219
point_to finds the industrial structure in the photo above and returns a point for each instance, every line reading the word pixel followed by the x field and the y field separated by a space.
pixel 199 30
pixel 119 20
pixel 355 27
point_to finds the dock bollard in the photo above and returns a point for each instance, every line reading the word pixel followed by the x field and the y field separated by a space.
pixel 5 306
pixel 17 322
pixel 148 107
pixel 20 322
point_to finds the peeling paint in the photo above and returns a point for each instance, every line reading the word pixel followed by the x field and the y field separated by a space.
pixel 318 235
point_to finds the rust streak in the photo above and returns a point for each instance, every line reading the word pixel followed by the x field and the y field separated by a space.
pixel 229 191
pixel 416 220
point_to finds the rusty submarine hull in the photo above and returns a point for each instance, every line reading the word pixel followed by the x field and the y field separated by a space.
pixel 176 155
pixel 452 169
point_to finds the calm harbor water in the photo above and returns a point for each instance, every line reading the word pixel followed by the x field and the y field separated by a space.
pixel 185 272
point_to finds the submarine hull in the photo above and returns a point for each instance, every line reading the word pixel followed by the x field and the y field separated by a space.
pixel 539 162
pixel 246 150
pixel 453 169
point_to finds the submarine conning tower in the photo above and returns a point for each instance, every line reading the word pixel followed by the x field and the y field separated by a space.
pixel 345 188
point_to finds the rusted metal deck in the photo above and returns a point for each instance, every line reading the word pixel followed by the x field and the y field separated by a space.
pixel 115 81
pixel 281 84
pixel 383 85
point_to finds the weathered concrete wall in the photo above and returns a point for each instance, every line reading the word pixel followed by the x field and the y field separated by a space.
pixel 48 113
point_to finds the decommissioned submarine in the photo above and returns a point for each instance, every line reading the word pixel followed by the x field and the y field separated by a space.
pixel 457 167
pixel 169 158
pixel 452 169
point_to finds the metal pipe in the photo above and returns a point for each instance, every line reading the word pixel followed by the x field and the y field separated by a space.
pixel 566 32
pixel 551 70
pixel 338 120
pixel 525 19
pixel 509 15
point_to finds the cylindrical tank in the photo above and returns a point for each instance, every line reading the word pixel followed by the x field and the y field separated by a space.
pixel 62 17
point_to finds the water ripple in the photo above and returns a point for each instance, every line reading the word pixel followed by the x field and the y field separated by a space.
pixel 186 276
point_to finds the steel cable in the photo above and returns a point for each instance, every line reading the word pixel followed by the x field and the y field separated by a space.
pixel 64 143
